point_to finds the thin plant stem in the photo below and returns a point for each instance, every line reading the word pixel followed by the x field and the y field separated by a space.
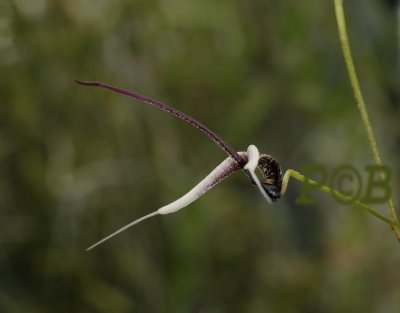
pixel 300 177
pixel 344 40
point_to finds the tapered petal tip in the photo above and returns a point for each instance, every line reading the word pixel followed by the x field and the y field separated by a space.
pixel 86 83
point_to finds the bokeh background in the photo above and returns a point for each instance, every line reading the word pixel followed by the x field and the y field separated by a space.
pixel 79 162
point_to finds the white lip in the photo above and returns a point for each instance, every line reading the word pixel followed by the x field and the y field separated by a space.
pixel 251 165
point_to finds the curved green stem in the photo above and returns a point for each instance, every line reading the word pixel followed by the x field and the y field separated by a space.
pixel 344 40
pixel 300 177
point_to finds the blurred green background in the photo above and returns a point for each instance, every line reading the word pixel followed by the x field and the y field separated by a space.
pixel 79 162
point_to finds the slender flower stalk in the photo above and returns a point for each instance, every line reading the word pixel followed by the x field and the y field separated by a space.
pixel 345 198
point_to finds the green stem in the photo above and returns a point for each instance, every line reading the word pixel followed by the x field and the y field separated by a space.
pixel 338 195
pixel 344 40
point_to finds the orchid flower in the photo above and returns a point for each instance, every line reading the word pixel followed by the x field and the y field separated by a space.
pixel 271 186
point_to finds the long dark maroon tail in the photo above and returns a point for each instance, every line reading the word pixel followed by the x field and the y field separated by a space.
pixel 217 139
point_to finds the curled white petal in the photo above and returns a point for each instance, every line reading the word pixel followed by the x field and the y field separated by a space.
pixel 251 165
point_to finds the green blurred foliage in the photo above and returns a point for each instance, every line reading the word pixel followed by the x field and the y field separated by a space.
pixel 77 163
